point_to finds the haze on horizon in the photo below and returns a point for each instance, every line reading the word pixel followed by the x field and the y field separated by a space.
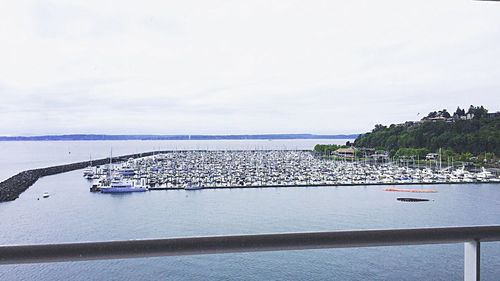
pixel 241 67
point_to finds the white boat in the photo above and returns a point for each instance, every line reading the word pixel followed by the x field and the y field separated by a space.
pixel 88 173
pixel 45 195
pixel 126 171
pixel 120 186
pixel 484 175
pixel 191 186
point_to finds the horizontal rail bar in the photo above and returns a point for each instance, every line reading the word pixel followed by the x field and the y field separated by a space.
pixel 17 254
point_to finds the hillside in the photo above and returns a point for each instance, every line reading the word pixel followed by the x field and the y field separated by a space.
pixel 477 132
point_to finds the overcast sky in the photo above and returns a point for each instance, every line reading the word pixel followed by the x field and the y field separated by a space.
pixel 236 67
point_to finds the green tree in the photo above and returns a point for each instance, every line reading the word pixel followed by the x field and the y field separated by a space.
pixel 474 136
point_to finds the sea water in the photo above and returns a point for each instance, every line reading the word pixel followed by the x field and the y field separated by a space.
pixel 73 214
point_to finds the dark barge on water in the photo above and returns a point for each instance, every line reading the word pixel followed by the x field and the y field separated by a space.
pixel 406 199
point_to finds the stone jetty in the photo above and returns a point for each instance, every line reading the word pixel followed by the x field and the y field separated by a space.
pixel 11 188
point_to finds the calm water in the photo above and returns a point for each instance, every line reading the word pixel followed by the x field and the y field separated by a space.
pixel 74 214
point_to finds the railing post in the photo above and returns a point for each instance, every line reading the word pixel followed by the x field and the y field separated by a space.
pixel 472 253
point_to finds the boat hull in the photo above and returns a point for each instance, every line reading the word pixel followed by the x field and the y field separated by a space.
pixel 122 189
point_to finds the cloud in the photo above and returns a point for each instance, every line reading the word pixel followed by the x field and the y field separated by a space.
pixel 241 67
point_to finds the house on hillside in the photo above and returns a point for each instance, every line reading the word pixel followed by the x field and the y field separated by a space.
pixel 493 114
pixel 345 152
pixel 380 157
pixel 459 117
pixel 437 119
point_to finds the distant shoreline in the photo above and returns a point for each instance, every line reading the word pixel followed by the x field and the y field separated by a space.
pixel 94 137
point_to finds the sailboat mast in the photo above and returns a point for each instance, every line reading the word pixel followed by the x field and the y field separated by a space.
pixel 110 163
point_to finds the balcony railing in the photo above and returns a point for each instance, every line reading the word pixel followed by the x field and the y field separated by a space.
pixel 470 236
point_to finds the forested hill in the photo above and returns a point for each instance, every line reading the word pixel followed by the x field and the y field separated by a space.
pixel 462 133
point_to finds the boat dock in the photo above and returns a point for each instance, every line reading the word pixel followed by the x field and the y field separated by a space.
pixel 274 168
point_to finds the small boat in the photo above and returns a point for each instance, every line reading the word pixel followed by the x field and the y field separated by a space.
pixel 88 173
pixel 191 186
pixel 126 172
pixel 45 195
pixel 96 185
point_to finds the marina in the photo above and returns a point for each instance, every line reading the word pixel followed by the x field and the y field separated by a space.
pixel 194 170
pixel 256 140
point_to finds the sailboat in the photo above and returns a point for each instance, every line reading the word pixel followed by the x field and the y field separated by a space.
pixel 88 173
pixel 190 185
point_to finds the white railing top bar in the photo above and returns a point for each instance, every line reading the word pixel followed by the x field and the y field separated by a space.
pixel 84 251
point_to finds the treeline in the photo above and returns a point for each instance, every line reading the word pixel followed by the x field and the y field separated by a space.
pixel 327 148
pixel 446 155
pixel 478 135
pixel 474 112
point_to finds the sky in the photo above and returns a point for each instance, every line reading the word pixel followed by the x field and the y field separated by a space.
pixel 241 67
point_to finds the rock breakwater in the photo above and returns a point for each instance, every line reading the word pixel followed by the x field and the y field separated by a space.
pixel 11 188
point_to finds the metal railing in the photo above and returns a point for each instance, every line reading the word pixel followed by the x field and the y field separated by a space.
pixel 471 237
